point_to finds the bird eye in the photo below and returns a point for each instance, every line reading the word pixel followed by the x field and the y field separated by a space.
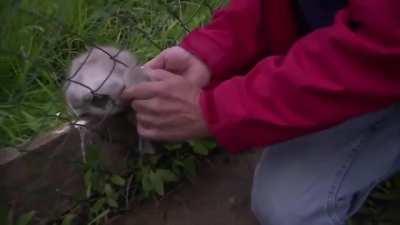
pixel 101 101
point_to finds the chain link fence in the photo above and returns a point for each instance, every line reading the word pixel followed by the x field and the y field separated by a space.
pixel 56 32
pixel 82 168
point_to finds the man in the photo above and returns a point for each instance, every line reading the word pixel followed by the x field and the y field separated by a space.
pixel 315 80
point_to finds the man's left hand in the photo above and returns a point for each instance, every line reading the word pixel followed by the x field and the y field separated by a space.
pixel 167 108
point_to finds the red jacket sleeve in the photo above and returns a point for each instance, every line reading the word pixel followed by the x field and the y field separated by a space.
pixel 332 74
pixel 239 34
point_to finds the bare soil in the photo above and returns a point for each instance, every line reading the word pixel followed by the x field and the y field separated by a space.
pixel 48 176
pixel 219 195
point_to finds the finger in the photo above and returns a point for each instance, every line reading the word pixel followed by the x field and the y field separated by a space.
pixel 159 74
pixel 148 120
pixel 152 75
pixel 154 133
pixel 152 128
pixel 157 62
pixel 142 91
pixel 156 120
pixel 147 132
pixel 146 106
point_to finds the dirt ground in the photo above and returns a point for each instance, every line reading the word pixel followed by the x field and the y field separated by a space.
pixel 219 195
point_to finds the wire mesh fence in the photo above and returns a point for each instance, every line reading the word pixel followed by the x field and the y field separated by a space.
pixel 144 28
pixel 34 61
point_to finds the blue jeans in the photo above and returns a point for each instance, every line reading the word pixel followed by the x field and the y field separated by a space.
pixel 323 178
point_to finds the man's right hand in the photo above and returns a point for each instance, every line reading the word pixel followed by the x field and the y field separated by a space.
pixel 179 61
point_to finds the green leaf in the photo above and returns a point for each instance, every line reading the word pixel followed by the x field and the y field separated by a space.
pixel 202 147
pixel 109 191
pixel 157 183
pixel 98 205
pixel 167 175
pixel 25 219
pixel 92 155
pixel 210 144
pixel 117 180
pixel 189 166
pixel 111 202
pixel 146 184
pixel 68 219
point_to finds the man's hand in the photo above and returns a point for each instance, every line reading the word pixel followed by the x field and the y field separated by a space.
pixel 179 61
pixel 167 107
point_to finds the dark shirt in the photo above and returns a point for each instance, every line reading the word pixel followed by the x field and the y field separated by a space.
pixel 318 13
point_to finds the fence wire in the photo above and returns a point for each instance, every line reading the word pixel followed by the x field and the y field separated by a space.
pixel 167 6
pixel 135 30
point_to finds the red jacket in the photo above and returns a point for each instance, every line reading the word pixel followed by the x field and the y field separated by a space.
pixel 295 85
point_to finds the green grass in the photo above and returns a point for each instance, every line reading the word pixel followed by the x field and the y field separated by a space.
pixel 39 38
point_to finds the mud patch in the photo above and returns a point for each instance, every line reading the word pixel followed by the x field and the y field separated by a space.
pixel 47 177
pixel 219 195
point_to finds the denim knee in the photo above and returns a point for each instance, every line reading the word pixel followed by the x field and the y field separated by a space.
pixel 281 199
pixel 323 178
